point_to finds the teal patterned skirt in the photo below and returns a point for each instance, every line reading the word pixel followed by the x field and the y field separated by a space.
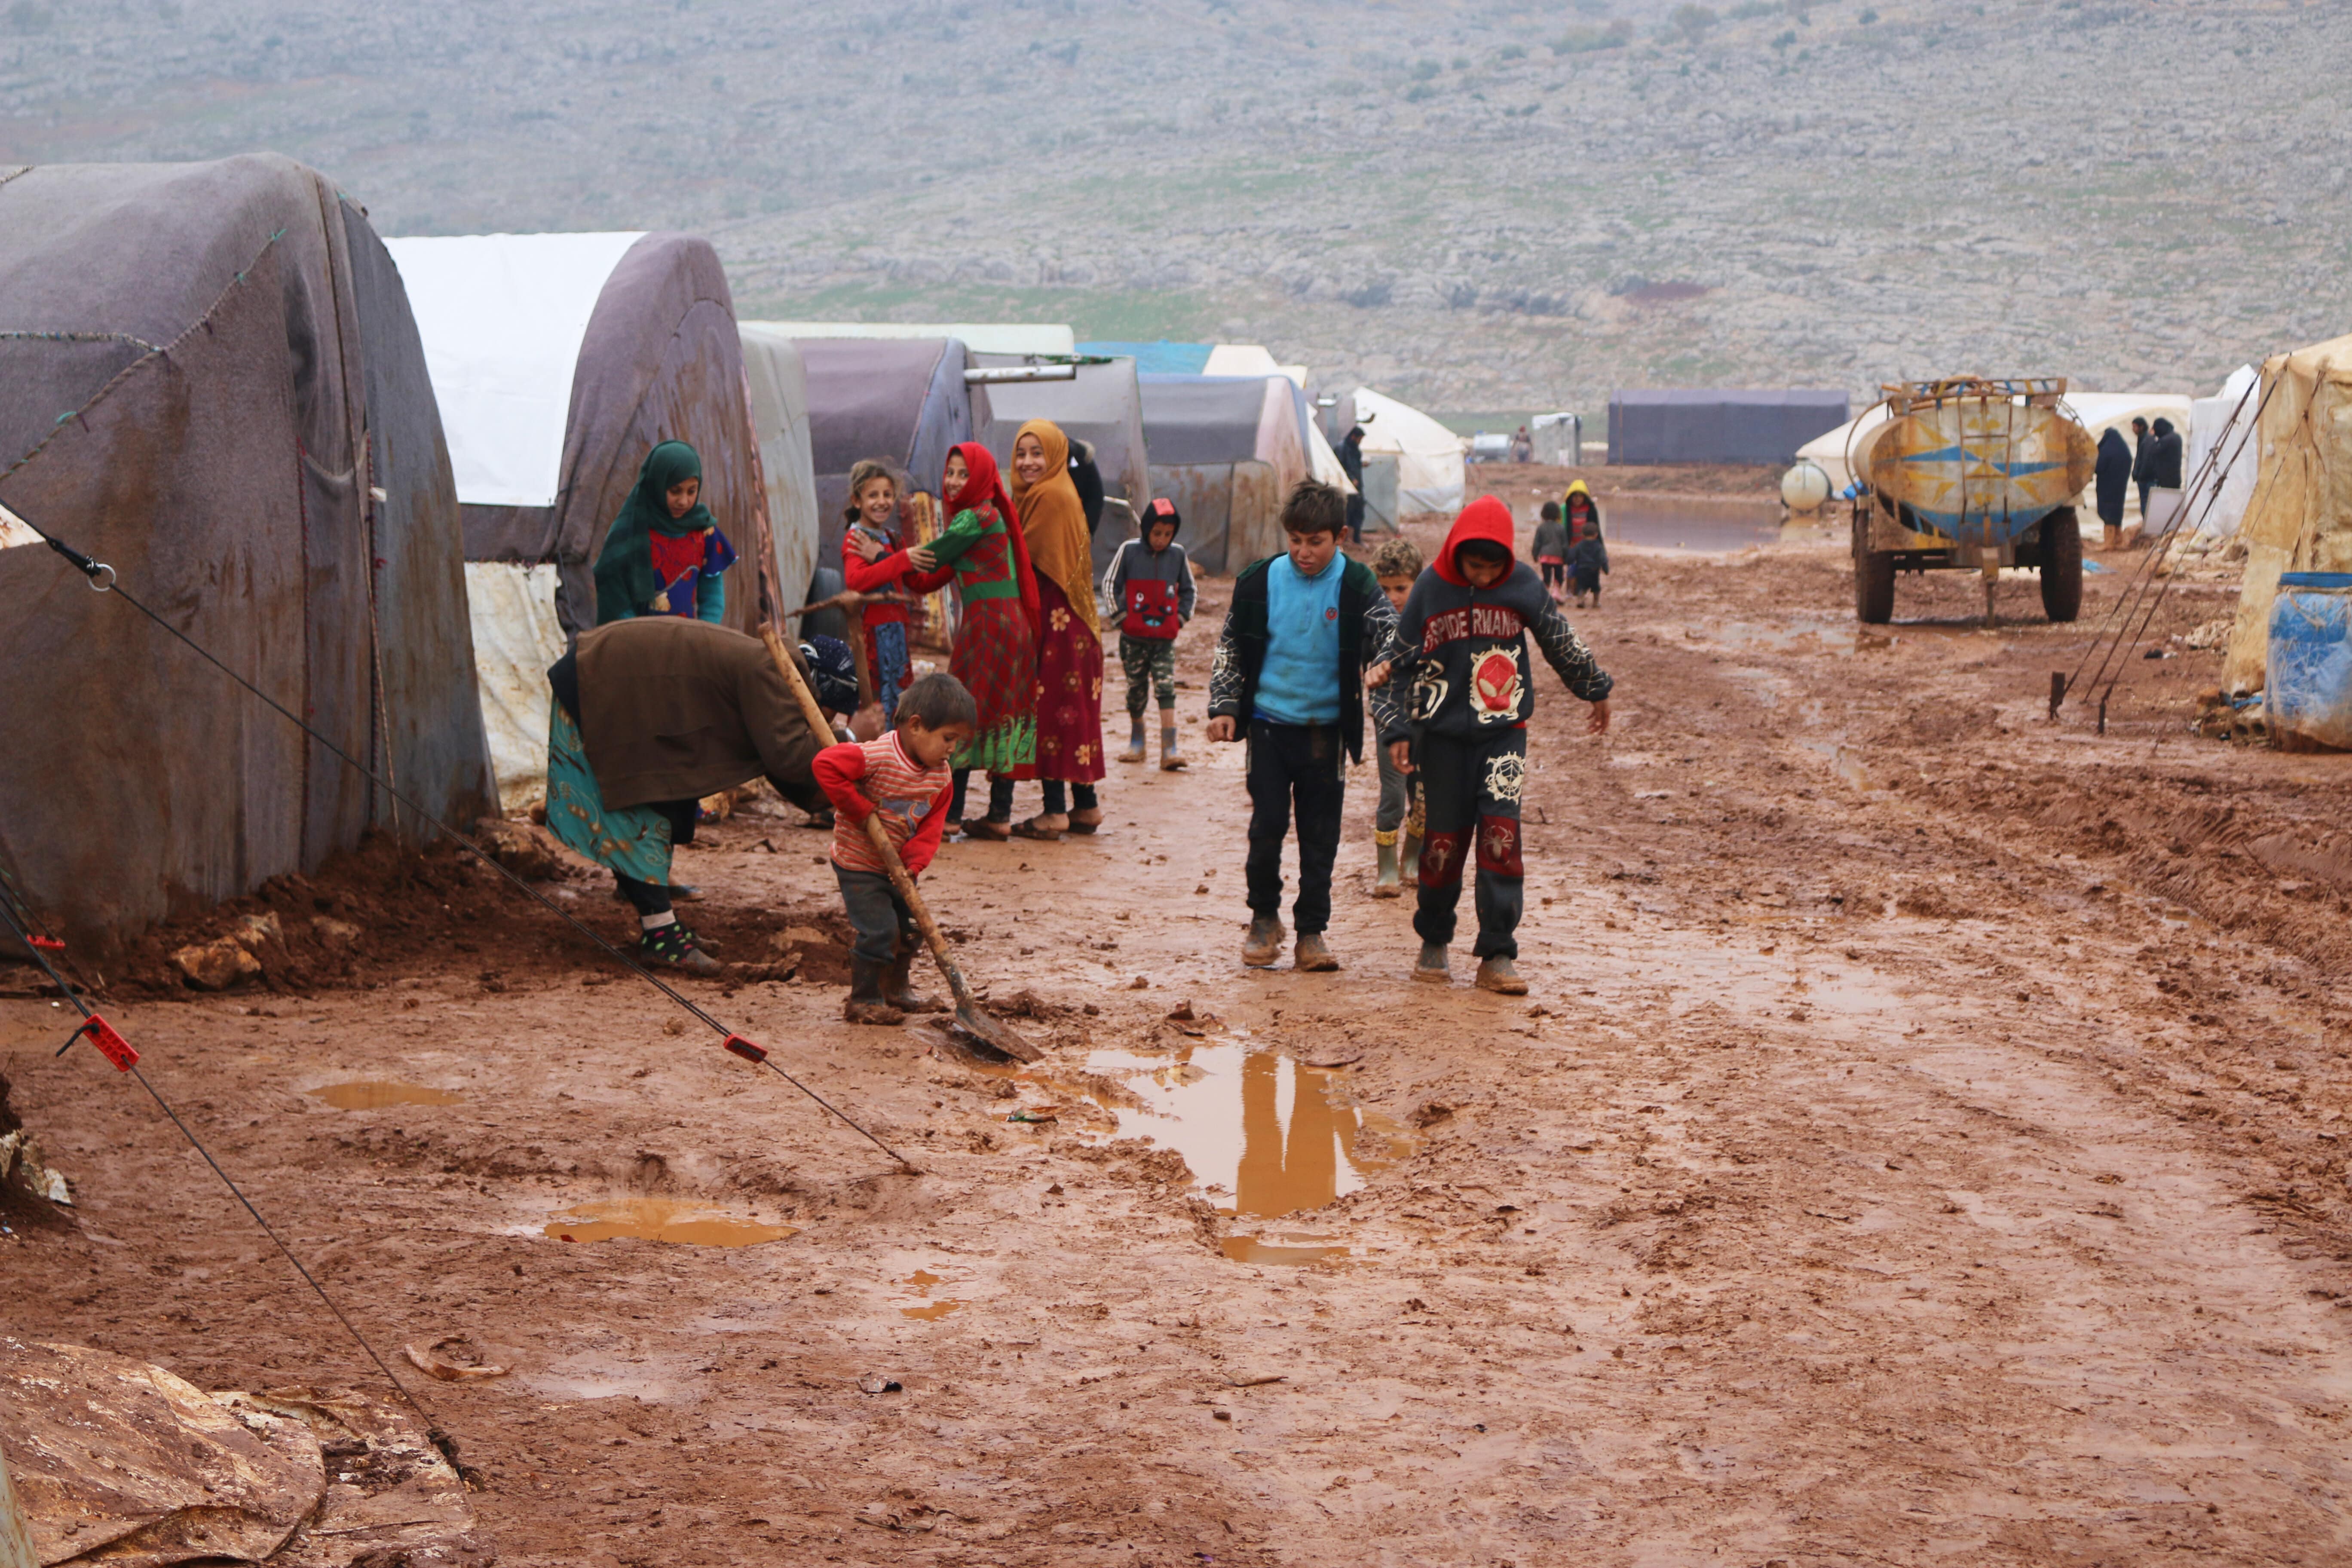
pixel 632 843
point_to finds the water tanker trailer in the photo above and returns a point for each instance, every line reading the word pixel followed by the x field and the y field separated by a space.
pixel 1969 474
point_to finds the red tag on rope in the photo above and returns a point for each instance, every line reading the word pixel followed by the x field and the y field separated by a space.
pixel 111 1045
pixel 746 1049
pixel 47 943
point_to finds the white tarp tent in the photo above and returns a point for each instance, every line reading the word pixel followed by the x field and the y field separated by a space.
pixel 2222 432
pixel 979 337
pixel 1250 358
pixel 502 317
pixel 2098 411
pixel 1428 455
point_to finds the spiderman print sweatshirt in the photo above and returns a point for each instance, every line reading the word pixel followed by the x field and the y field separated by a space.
pixel 1462 651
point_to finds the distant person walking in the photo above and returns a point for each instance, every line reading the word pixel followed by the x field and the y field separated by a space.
pixel 1069 634
pixel 2113 476
pixel 664 555
pixel 1523 446
pixel 2143 463
pixel 1351 463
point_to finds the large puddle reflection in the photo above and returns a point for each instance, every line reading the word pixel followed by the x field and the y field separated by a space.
pixel 1264 1135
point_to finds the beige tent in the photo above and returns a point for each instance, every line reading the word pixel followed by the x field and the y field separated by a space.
pixel 2300 517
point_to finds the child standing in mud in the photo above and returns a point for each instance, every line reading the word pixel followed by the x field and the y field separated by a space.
pixel 1461 644
pixel 904 779
pixel 1289 677
pixel 1397 566
pixel 1150 581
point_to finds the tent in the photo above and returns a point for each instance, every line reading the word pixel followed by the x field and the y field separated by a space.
pixel 901 400
pixel 1428 455
pixel 1226 450
pixel 560 360
pixel 778 385
pixel 2299 518
pixel 1719 426
pixel 1104 406
pixel 215 386
pixel 2221 435
pixel 2098 411
pixel 977 337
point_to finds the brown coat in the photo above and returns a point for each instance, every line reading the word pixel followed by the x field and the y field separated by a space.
pixel 676 709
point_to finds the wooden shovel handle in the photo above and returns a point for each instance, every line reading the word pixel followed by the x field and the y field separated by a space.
pixel 814 714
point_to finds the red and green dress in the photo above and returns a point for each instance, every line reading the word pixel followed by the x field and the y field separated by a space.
pixel 995 645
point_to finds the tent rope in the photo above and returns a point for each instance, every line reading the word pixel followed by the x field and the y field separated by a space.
pixel 93 570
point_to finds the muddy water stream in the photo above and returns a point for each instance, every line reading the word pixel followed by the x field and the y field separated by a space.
pixel 1690 523
pixel 661 1219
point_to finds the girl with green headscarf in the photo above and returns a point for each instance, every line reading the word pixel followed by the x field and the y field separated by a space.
pixel 664 554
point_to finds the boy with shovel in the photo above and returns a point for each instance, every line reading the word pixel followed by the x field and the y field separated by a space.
pixel 903 779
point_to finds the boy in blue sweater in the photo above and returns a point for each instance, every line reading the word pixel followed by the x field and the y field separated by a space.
pixel 1289 678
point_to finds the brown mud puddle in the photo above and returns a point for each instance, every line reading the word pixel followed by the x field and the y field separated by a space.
pixel 921 1283
pixel 661 1219
pixel 376 1094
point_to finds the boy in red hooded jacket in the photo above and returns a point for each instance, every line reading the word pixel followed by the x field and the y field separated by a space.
pixel 1461 643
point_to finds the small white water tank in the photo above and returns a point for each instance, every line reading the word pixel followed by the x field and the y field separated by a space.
pixel 1805 487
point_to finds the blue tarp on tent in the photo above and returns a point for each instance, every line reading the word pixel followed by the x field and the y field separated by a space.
pixel 1157 359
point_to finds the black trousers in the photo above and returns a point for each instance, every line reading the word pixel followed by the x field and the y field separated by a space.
pixel 1470 792
pixel 1300 769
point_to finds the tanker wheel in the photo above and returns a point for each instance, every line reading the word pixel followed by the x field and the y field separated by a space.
pixel 2061 565
pixel 1873 578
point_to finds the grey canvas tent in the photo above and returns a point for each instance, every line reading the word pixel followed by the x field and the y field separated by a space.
pixel 1226 450
pixel 559 360
pixel 1103 407
pixel 214 385
pixel 1714 426
pixel 901 400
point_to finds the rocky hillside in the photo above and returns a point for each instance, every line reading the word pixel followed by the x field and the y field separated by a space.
pixel 1478 205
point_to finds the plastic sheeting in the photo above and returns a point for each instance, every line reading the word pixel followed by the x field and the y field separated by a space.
pixel 1104 406
pixel 2221 435
pixel 780 417
pixel 243 374
pixel 516 637
pixel 977 337
pixel 902 401
pixel 1156 358
pixel 1428 455
pixel 503 317
pixel 1719 425
pixel 2299 518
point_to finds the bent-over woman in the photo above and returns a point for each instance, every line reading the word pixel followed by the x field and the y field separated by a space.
pixel 650 716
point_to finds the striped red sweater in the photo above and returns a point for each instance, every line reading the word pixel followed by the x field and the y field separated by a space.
pixel 861 778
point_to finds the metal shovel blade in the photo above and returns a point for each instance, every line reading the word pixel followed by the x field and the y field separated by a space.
pixel 975 1026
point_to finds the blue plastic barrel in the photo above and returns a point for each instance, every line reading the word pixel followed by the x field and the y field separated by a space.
pixel 2308 691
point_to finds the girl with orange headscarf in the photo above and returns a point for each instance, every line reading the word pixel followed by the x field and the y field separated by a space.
pixel 996 641
pixel 1069 636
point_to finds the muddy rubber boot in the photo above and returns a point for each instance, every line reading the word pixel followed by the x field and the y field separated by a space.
pixel 1263 945
pixel 1135 751
pixel 1313 955
pixel 1389 883
pixel 899 990
pixel 1171 759
pixel 672 947
pixel 865 1004
pixel 1409 861
pixel 1430 965
pixel 1497 975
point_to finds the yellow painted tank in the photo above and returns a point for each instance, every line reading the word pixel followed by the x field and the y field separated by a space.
pixel 1970 473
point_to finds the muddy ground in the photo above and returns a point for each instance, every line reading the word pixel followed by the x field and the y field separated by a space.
pixel 1924 1145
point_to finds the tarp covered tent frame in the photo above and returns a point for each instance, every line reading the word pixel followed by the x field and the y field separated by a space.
pixel 902 401
pixel 777 383
pixel 1226 450
pixel 1720 425
pixel 633 337
pixel 1428 456
pixel 1102 406
pixel 2299 518
pixel 214 385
